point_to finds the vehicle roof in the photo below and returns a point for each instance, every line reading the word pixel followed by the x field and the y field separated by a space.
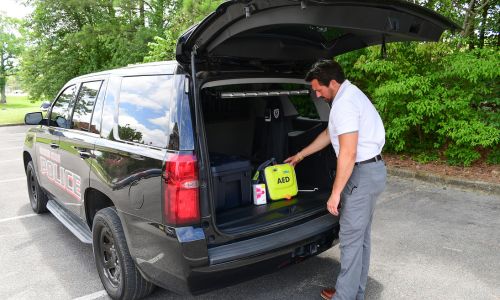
pixel 154 68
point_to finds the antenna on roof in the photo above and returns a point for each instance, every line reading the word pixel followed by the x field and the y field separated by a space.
pixel 248 11
pixel 383 49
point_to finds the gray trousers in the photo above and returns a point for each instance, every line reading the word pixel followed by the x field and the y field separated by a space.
pixel 358 204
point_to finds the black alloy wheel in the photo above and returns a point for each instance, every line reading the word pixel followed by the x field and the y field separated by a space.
pixel 115 266
pixel 111 263
pixel 38 198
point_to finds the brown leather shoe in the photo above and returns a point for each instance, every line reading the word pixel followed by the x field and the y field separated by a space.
pixel 327 294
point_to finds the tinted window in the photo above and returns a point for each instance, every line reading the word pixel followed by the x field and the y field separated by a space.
pixel 305 106
pixel 109 112
pixel 60 114
pixel 147 114
pixel 186 140
pixel 95 124
pixel 84 104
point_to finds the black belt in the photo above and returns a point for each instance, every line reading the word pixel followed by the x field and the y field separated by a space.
pixel 373 159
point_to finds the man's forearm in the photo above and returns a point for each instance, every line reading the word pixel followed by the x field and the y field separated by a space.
pixel 345 165
pixel 321 141
pixel 345 161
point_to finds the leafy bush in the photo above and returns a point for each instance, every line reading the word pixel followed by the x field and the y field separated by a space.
pixel 432 96
pixel 494 156
pixel 426 157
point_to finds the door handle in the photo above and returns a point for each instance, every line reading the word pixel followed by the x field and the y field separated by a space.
pixel 54 146
pixel 84 154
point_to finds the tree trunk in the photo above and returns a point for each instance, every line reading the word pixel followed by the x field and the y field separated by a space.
pixel 470 15
pixel 468 19
pixel 141 13
pixel 483 26
pixel 469 23
pixel 3 77
pixel 3 81
pixel 111 9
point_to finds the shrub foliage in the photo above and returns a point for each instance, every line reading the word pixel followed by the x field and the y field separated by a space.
pixel 432 96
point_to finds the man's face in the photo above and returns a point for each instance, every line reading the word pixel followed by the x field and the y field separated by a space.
pixel 327 93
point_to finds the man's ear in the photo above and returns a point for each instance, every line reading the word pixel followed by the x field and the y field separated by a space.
pixel 334 84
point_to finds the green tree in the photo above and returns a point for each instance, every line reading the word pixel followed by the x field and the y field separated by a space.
pixel 129 134
pixel 184 14
pixel 68 38
pixel 10 47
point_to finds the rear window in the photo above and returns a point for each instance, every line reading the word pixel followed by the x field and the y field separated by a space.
pixel 146 106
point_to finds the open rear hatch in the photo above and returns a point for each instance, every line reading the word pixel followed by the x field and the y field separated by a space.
pixel 301 32
pixel 282 38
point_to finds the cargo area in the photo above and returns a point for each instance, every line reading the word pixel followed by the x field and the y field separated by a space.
pixel 247 124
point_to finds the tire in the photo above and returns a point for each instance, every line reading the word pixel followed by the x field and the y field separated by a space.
pixel 38 198
pixel 115 266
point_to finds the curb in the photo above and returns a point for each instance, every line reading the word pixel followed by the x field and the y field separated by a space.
pixel 488 187
pixel 7 125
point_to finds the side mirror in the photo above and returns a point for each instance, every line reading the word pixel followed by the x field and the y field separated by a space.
pixel 33 118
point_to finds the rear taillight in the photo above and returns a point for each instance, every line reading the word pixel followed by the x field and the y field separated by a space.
pixel 181 204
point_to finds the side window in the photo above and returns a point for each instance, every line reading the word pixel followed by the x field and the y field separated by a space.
pixel 95 123
pixel 60 113
pixel 109 112
pixel 147 113
pixel 84 104
pixel 305 106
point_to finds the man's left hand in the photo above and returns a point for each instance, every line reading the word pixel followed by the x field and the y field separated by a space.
pixel 333 204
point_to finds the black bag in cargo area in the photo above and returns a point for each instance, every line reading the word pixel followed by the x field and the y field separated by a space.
pixel 232 181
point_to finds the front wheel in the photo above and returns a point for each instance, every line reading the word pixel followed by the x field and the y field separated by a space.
pixel 115 266
pixel 38 198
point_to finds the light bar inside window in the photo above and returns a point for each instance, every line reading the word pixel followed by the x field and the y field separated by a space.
pixel 231 95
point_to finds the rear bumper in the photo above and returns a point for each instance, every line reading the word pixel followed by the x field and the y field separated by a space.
pixel 223 274
pixel 272 241
pixel 188 268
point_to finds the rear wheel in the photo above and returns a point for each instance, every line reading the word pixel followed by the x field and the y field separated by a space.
pixel 38 198
pixel 115 266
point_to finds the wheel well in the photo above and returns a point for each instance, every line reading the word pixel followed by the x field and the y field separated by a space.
pixel 26 158
pixel 95 201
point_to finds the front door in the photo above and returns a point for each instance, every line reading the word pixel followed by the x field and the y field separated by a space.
pixel 49 158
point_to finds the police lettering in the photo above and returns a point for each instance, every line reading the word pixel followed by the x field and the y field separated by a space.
pixel 283 180
pixel 61 177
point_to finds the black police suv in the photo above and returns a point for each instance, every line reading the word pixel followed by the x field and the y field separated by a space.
pixel 152 164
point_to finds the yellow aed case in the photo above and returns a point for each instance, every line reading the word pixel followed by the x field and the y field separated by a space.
pixel 281 181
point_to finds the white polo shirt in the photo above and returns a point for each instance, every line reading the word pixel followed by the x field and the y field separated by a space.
pixel 352 111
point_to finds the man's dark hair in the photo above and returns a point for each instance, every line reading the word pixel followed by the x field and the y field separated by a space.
pixel 325 71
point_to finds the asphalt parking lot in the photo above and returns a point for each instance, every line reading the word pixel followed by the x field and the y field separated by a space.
pixel 429 242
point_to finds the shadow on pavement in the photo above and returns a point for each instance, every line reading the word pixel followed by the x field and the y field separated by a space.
pixel 300 281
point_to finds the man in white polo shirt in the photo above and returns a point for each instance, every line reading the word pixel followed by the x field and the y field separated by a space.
pixel 357 134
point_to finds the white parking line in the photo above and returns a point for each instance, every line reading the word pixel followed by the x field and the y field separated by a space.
pixel 453 249
pixel 18 217
pixel 13 179
pixel 15 133
pixel 92 296
pixel 11 148
pixel 10 160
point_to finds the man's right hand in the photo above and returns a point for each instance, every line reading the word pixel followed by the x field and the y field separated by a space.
pixel 294 160
pixel 320 142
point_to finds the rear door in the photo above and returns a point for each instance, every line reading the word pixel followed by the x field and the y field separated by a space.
pixel 295 31
pixel 76 145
